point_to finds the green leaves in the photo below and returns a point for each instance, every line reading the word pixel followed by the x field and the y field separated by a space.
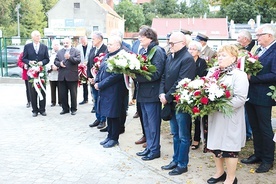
pixel 273 92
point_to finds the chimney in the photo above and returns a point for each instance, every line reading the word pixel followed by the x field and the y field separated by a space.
pixel 110 3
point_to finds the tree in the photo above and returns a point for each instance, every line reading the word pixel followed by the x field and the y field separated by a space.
pixel 198 8
pixel 33 17
pixel 47 5
pixel 240 12
pixel 132 13
pixel 166 7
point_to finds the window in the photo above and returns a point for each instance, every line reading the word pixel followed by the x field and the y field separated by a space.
pixel 77 5
pixel 95 28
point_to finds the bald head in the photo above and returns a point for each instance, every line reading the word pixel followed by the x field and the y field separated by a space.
pixel 177 41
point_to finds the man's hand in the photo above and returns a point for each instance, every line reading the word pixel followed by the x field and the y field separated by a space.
pixel 163 99
pixel 32 62
pixel 96 86
pixel 62 64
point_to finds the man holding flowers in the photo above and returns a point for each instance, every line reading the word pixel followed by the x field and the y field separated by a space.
pixel 36 56
pixel 148 91
pixel 179 65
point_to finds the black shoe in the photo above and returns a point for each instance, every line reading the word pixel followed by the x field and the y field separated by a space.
pixel 96 123
pixel 73 112
pixel 122 131
pixel 104 141
pixel 34 114
pixel 249 138
pixel 83 102
pixel 63 112
pixel 101 125
pixel 235 181
pixel 171 166
pixel 143 153
pixel 110 144
pixel 150 157
pixel 215 180
pixel 251 160
pixel 28 105
pixel 60 104
pixel 104 129
pixel 93 110
pixel 264 168
pixel 52 105
pixel 178 171
pixel 43 113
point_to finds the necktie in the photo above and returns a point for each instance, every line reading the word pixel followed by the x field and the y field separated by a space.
pixel 96 50
pixel 262 51
pixel 36 49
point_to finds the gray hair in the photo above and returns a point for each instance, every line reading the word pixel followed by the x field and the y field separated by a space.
pixel 267 28
pixel 98 34
pixel 195 43
pixel 246 34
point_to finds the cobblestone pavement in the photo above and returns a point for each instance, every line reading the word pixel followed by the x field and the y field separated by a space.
pixel 61 149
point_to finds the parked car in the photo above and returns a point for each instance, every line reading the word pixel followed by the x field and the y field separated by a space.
pixel 14 72
pixel 11 56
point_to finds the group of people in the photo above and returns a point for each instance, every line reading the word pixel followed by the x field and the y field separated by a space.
pixel 184 58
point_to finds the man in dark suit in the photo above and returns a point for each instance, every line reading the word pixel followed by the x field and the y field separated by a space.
pixel 98 48
pixel 110 87
pixel 67 59
pixel 259 105
pixel 36 53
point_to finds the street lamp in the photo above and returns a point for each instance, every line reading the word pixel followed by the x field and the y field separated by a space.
pixel 18 26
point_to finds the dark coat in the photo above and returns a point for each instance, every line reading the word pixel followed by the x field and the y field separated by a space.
pixel 259 84
pixel 29 54
pixel 181 66
pixel 92 55
pixel 148 90
pixel 201 67
pixel 70 72
pixel 110 91
pixel 135 46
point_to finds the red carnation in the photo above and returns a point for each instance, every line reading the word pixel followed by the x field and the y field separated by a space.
pixel 197 93
pixel 227 94
pixel 96 59
pixel 35 74
pixel 196 110
pixel 177 98
pixel 38 85
pixel 145 68
pixel 144 57
pixel 204 100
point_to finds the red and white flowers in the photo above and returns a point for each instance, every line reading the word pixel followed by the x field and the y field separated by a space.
pixel 249 63
pixel 202 96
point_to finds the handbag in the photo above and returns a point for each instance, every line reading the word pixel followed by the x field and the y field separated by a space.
pixel 166 112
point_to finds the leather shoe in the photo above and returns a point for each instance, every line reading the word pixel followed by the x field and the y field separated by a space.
pixel 93 110
pixel 150 157
pixel 104 129
pixel 251 160
pixel 52 105
pixel 104 141
pixel 171 166
pixel 96 123
pixel 143 153
pixel 110 144
pixel 28 104
pixel 141 141
pixel 43 113
pixel 63 112
pixel 215 180
pixel 34 114
pixel 101 125
pixel 144 145
pixel 178 171
pixel 73 112
pixel 83 102
pixel 264 168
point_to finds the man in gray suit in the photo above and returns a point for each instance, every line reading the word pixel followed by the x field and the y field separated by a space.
pixel 67 59
pixel 206 52
pixel 84 47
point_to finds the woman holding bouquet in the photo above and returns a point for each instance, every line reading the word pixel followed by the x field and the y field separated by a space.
pixel 148 91
pixel 226 134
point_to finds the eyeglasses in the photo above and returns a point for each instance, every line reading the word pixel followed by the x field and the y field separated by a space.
pixel 193 49
pixel 261 34
pixel 173 43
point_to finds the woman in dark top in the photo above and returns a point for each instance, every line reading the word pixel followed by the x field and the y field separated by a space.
pixel 201 70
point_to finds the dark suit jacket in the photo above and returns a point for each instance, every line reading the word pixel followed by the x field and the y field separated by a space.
pixel 201 67
pixel 30 55
pixel 110 86
pixel 70 72
pixel 259 84
pixel 92 55
pixel 177 68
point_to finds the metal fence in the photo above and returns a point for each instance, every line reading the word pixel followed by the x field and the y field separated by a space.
pixel 13 71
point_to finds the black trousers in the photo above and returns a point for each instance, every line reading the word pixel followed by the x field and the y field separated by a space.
pixel 139 111
pixel 55 89
pixel 28 95
pixel 124 111
pixel 65 87
pixel 260 121
pixel 113 128
pixel 85 91
pixel 34 98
